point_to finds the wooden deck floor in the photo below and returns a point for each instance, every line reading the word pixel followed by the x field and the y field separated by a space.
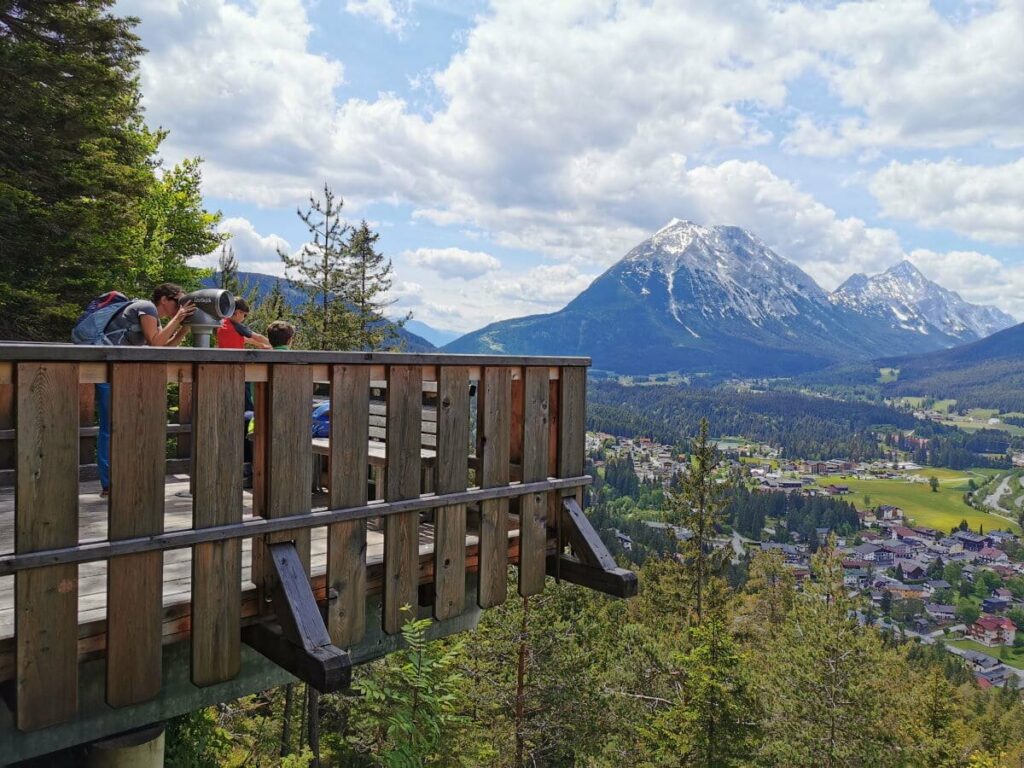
pixel 92 591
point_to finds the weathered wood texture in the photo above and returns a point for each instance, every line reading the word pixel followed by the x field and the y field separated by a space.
pixel 533 510
pixel 183 448
pixel 7 450
pixel 402 480
pixel 46 599
pixel 494 440
pixel 219 392
pixel 572 418
pixel 452 476
pixel 134 582
pixel 289 467
pixel 347 484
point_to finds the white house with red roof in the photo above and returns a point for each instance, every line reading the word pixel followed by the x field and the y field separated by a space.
pixel 993 630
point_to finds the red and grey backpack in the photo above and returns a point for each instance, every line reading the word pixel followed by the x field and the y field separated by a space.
pixel 91 326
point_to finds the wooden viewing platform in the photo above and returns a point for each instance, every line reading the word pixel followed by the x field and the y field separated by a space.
pixel 472 463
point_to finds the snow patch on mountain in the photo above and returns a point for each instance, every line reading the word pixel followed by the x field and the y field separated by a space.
pixel 917 304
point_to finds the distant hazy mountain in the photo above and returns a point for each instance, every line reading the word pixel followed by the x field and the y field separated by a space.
pixel 707 299
pixel 263 284
pixel 908 300
pixel 436 336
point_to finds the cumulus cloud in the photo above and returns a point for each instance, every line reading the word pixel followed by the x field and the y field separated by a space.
pixel 577 140
pixel 911 76
pixel 982 202
pixel 454 262
pixel 390 14
pixel 255 252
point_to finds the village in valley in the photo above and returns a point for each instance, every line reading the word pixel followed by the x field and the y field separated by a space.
pixel 961 585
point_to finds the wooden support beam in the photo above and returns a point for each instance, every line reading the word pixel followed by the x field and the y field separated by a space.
pixel 593 566
pixel 586 543
pixel 617 582
pixel 300 642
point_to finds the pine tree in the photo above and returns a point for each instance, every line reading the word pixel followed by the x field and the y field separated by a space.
pixel 273 306
pixel 370 281
pixel 82 210
pixel 712 720
pixel 227 270
pixel 828 683
pixel 699 507
pixel 323 275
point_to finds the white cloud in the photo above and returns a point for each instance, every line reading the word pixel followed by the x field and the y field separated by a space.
pixel 255 252
pixel 911 76
pixel 982 202
pixel 454 262
pixel 393 15
pixel 607 119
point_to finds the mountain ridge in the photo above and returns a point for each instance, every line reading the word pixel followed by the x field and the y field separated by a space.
pixel 710 300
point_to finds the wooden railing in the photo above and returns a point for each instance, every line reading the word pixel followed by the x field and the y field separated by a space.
pixel 527 455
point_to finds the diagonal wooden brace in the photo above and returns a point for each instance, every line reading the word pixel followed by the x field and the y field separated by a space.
pixel 299 641
pixel 593 565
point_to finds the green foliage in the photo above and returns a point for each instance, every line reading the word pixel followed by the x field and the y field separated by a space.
pixel 82 209
pixel 933 483
pixel 196 740
pixel 370 280
pixel 410 706
pixel 320 271
pixel 967 612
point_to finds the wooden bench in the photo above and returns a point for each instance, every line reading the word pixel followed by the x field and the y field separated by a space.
pixel 378 441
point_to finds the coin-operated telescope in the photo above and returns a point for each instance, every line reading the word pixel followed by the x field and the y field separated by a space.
pixel 212 306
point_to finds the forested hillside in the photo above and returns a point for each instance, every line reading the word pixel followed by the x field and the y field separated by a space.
pixel 804 426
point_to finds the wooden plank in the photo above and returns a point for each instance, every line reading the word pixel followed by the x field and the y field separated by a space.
pixel 347 484
pixel 219 400
pixel 86 420
pixel 7 451
pixel 572 421
pixel 617 582
pixel 402 481
pixel 288 479
pixel 452 476
pixel 586 542
pixel 138 405
pixel 46 516
pixel 533 510
pixel 184 446
pixel 494 428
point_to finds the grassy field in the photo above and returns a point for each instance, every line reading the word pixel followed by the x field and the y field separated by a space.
pixel 888 375
pixel 940 510
pixel 1014 656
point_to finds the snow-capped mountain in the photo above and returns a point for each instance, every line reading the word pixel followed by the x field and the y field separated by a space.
pixel 912 302
pixel 711 299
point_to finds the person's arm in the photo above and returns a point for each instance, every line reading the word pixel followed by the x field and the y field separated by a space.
pixel 259 341
pixel 171 334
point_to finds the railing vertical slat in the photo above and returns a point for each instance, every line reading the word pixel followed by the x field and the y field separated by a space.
pixel 402 478
pixel 135 582
pixel 533 508
pixel 495 439
pixel 346 542
pixel 46 516
pixel 289 476
pixel 219 402
pixel 452 474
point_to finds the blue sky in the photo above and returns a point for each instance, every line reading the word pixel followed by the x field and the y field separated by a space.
pixel 508 152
